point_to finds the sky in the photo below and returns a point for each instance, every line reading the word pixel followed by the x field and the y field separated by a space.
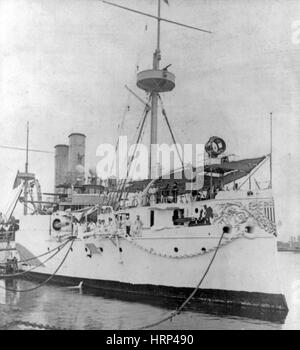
pixel 64 64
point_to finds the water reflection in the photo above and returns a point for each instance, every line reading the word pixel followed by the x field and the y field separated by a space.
pixel 6 297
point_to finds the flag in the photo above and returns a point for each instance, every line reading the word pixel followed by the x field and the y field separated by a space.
pixel 167 2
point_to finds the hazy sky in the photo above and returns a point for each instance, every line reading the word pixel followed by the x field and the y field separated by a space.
pixel 64 64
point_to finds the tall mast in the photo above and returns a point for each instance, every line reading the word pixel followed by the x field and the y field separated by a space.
pixel 154 102
pixel 271 150
pixel 27 142
pixel 26 172
pixel 155 81
pixel 158 27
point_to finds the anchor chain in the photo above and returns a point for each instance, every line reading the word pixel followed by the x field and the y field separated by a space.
pixel 34 325
pixel 183 256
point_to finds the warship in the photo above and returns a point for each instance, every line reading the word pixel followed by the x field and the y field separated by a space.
pixel 158 237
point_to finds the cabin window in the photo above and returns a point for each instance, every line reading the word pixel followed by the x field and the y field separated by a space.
pixel 175 217
pixel 178 215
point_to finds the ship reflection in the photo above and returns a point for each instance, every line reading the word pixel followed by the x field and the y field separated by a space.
pixel 9 297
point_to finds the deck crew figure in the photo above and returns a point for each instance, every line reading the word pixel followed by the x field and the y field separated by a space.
pixel 128 225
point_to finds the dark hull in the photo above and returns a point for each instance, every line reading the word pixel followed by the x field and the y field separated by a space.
pixel 263 306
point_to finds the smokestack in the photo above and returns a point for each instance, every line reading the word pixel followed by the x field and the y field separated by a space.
pixel 76 160
pixel 61 166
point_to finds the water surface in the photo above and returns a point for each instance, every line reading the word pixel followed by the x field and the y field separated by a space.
pixel 60 307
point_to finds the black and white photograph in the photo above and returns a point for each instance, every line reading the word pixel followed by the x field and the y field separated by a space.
pixel 149 167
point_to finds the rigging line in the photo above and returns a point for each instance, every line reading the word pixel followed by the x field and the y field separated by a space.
pixel 13 202
pixel 129 163
pixel 254 171
pixel 147 106
pixel 26 206
pixel 156 17
pixel 120 129
pixel 24 149
pixel 140 122
pixel 33 268
pixel 44 254
pixel 140 133
pixel 170 129
pixel 44 282
pixel 136 145
pixel 141 140
pixel 178 311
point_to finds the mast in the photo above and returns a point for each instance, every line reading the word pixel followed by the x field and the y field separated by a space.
pixel 271 150
pixel 27 141
pixel 156 80
pixel 26 172
pixel 154 102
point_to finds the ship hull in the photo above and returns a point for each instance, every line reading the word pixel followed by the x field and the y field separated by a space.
pixel 243 275
pixel 237 269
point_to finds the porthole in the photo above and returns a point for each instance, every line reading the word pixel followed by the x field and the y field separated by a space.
pixel 101 249
pixel 226 229
pixel 86 249
pixel 203 250
pixel 176 250
pixel 120 249
pixel 249 229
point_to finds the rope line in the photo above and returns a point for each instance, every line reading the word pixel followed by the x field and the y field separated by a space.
pixel 44 282
pixel 178 311
pixel 34 267
pixel 33 325
pixel 48 252
pixel 41 255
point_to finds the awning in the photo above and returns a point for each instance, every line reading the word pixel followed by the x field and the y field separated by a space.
pixel 226 172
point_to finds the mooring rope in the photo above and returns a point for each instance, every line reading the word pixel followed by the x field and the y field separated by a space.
pixel 44 282
pixel 35 325
pixel 48 252
pixel 34 267
pixel 178 310
pixel 41 255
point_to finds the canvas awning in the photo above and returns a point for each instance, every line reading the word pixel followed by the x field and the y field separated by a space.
pixel 222 174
